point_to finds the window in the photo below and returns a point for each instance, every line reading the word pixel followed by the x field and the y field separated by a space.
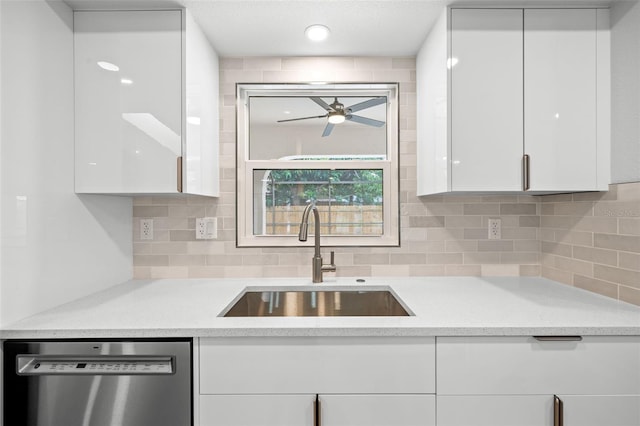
pixel 334 145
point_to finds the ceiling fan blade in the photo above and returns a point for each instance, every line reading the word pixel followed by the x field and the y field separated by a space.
pixel 328 129
pixel 322 103
pixel 367 104
pixel 302 118
pixel 365 120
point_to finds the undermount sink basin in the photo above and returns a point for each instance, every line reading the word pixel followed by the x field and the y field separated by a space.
pixel 316 302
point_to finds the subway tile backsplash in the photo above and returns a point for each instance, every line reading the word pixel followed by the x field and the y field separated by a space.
pixel 588 240
pixel 453 244
pixel 592 240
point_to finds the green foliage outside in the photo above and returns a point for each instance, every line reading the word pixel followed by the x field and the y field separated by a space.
pixel 293 187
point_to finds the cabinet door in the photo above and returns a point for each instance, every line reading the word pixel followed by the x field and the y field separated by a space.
pixel 495 410
pixel 486 100
pixel 128 100
pixel 377 410
pixel 560 98
pixel 202 124
pixel 257 410
pixel 598 410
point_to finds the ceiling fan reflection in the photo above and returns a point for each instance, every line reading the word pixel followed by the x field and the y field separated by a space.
pixel 337 113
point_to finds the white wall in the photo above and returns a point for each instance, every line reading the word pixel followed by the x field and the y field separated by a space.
pixel 625 91
pixel 56 246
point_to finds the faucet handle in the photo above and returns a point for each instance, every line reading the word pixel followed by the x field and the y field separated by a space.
pixel 331 267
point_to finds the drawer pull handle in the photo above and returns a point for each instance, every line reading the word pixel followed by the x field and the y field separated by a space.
pixel 558 338
pixel 558 415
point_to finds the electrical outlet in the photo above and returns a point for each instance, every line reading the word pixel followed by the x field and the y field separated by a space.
pixel 146 229
pixel 495 228
pixel 206 228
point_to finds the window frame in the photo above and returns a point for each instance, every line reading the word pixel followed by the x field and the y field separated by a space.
pixel 245 167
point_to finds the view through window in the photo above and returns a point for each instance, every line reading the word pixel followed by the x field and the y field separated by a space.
pixel 335 146
pixel 349 201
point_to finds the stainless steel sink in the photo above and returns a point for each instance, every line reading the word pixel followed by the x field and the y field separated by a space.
pixel 309 302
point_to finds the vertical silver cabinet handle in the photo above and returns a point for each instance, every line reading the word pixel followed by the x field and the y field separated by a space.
pixel 526 184
pixel 316 411
pixel 558 415
pixel 179 169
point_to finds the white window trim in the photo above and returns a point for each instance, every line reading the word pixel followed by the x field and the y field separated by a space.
pixel 245 167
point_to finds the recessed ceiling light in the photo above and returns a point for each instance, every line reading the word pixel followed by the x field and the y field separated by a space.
pixel 126 81
pixel 108 66
pixel 317 32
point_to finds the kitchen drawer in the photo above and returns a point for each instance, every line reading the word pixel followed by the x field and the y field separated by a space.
pixel 524 365
pixel 317 365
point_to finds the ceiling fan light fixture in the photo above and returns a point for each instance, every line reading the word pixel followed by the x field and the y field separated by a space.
pixel 336 117
pixel 317 32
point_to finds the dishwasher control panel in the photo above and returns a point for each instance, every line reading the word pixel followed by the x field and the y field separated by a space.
pixel 30 365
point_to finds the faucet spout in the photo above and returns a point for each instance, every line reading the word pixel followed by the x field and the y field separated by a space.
pixel 304 223
pixel 316 262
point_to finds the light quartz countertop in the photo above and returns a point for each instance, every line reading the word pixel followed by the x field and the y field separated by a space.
pixel 442 306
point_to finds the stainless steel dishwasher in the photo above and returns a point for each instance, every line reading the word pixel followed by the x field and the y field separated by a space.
pixel 97 383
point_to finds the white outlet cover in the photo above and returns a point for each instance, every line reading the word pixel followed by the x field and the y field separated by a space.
pixel 146 229
pixel 206 228
pixel 495 228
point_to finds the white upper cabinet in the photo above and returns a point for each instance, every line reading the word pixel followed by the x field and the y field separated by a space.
pixel 486 99
pixel 560 99
pixel 146 102
pixel 514 100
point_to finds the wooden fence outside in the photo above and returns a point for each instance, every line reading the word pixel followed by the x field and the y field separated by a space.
pixel 334 220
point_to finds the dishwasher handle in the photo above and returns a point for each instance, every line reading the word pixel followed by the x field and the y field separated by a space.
pixel 114 365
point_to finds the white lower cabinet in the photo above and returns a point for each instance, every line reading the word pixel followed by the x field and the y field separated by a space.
pixel 377 410
pixel 538 410
pixel 257 410
pixel 317 410
pixel 598 410
pixel 495 410
pixel 527 381
pixel 391 381
pixel 319 381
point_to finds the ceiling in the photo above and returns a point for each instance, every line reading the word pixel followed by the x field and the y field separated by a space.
pixel 276 27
